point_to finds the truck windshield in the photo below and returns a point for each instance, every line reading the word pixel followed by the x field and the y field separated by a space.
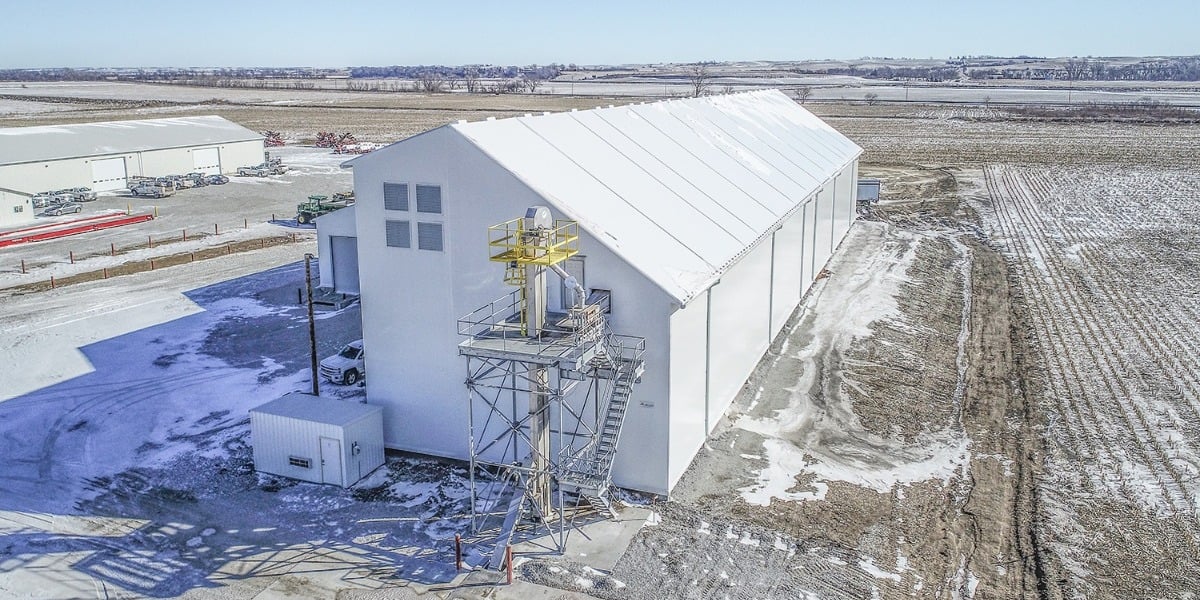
pixel 349 352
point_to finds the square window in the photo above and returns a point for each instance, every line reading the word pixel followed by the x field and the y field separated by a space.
pixel 429 199
pixel 395 196
pixel 429 236
pixel 399 234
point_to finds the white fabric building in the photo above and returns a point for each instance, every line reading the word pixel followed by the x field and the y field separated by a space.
pixel 103 155
pixel 707 219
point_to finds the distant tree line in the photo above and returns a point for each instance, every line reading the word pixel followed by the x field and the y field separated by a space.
pixel 941 73
pixel 1185 68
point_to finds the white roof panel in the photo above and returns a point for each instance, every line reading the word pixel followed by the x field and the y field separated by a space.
pixel 680 189
pixel 678 169
pixel 316 409
pixel 56 142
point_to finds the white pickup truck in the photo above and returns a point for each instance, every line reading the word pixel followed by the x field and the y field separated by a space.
pixel 347 366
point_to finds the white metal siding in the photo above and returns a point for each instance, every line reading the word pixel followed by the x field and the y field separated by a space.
pixel 275 438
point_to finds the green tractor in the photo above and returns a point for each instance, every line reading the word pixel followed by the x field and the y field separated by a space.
pixel 317 205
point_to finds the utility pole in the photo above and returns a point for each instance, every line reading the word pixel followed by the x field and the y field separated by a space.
pixel 312 324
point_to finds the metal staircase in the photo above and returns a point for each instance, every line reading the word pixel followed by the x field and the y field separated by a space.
pixel 590 474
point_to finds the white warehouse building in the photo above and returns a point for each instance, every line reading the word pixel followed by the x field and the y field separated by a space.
pixel 103 155
pixel 706 219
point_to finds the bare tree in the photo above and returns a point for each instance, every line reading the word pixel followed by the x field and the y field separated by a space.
pixel 1076 68
pixel 531 82
pixel 1096 69
pixel 803 93
pixel 471 79
pixel 701 77
pixel 728 89
pixel 871 98
pixel 431 83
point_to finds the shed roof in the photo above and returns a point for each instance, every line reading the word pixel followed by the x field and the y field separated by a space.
pixel 55 142
pixel 316 409
pixel 680 189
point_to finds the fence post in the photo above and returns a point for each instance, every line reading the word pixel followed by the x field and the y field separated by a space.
pixel 22 266
pixel 72 253
pixel 457 552
pixel 245 223
pixel 112 249
pixel 149 241
pixel 152 264
pixel 185 235
pixel 51 282
pixel 508 561
pixel 216 231
pixel 106 272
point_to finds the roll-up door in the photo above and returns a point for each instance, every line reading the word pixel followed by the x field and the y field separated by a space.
pixel 207 161
pixel 108 174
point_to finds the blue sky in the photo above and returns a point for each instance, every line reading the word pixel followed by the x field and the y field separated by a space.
pixel 367 32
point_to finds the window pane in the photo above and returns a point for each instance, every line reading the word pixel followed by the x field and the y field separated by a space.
pixel 395 196
pixel 399 234
pixel 429 199
pixel 429 236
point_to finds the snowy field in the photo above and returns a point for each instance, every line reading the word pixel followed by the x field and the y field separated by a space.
pixel 827 88
pixel 1107 260
pixel 125 433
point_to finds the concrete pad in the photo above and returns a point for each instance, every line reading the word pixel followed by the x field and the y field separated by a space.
pixel 599 544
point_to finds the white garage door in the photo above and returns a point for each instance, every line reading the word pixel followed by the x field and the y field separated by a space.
pixel 108 174
pixel 207 161
pixel 345 263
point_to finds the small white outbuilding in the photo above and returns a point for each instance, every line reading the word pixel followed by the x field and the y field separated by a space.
pixel 16 208
pixel 317 439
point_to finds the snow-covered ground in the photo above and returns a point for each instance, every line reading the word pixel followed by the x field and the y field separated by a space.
pixel 824 441
pixel 124 428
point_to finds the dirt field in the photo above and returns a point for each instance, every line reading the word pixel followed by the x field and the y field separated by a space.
pixel 992 395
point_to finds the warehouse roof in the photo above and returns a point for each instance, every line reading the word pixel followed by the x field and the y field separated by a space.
pixel 680 189
pixel 53 142
pixel 316 409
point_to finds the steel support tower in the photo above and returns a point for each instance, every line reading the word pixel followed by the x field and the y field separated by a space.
pixel 538 443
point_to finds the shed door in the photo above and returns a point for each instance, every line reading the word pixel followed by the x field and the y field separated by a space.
pixel 331 461
pixel 207 161
pixel 345 263
pixel 108 174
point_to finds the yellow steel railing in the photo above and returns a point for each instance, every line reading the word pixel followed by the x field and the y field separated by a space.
pixel 509 242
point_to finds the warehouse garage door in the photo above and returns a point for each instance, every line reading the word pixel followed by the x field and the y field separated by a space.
pixel 345 263
pixel 207 161
pixel 108 174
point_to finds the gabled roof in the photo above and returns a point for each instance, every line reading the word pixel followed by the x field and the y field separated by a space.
pixel 54 142
pixel 680 189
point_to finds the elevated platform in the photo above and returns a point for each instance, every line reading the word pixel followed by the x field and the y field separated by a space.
pixel 495 331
